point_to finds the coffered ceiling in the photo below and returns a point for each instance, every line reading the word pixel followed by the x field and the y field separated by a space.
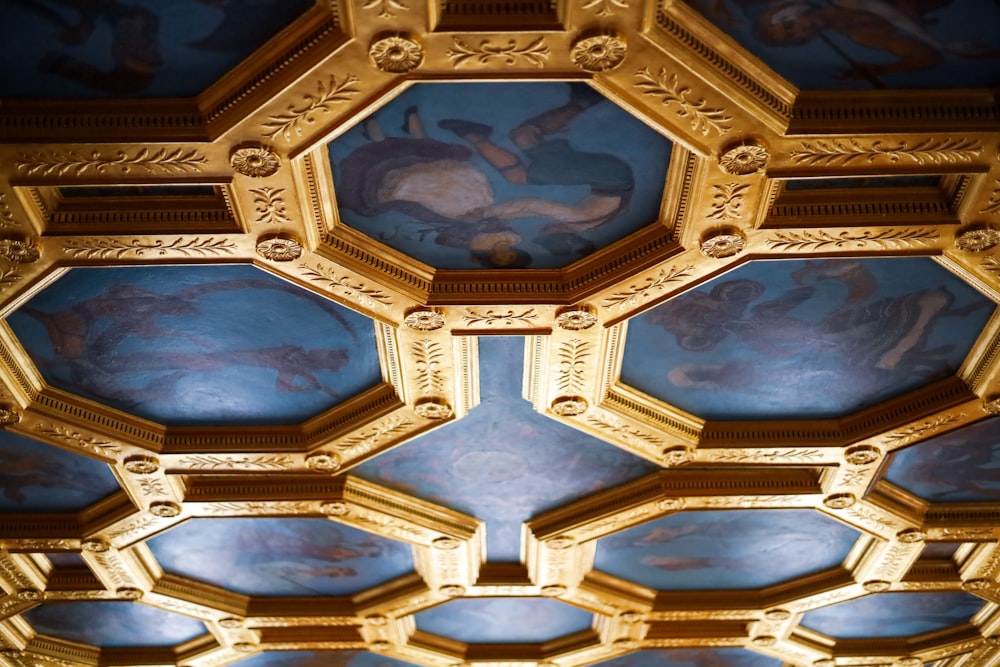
pixel 386 332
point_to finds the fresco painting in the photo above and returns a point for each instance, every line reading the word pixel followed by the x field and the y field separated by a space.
pixel 868 43
pixel 40 478
pixel 499 175
pixel 131 48
pixel 805 338
pixel 113 624
pixel 320 659
pixel 186 345
pixel 693 657
pixel 504 620
pixel 503 462
pixel 960 466
pixel 281 556
pixel 724 550
pixel 893 615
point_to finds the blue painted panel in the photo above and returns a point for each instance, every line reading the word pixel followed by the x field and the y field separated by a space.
pixel 198 344
pixel 320 659
pixel 40 478
pixel 66 559
pixel 960 466
pixel 131 48
pixel 694 657
pixel 109 624
pixel 731 549
pixel 893 615
pixel 281 556
pixel 503 620
pixel 805 338
pixel 868 44
pixel 504 462
pixel 499 175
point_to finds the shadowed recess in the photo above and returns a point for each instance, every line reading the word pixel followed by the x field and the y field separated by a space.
pixel 893 615
pixel 805 338
pixel 960 466
pixel 693 657
pixel 869 44
pixel 131 48
pixel 281 556
pixel 320 659
pixel 196 345
pixel 862 182
pixel 499 175
pixel 729 549
pixel 40 478
pixel 503 462
pixel 110 624
pixel 503 620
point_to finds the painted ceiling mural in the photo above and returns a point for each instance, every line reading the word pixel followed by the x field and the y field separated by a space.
pixel 389 333
pixel 813 338
pixel 868 44
pixel 177 344
pixel 132 48
pixel 499 175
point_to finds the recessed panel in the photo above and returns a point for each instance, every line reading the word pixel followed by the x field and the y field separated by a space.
pixel 503 462
pixel 731 549
pixel 804 338
pixel 281 556
pixel 693 657
pixel 109 624
pixel 960 466
pixel 134 48
pixel 503 620
pixel 40 478
pixel 834 44
pixel 859 182
pixel 185 345
pixel 499 175
pixel 320 659
pixel 893 615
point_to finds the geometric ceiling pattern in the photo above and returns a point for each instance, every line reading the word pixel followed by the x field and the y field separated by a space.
pixel 474 333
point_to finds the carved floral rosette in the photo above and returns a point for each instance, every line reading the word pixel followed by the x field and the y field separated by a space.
pixel 254 160
pixel 598 53
pixel 396 54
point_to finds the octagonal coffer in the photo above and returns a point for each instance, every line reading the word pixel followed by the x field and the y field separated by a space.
pixel 139 48
pixel 320 659
pixel 805 339
pixel 843 45
pixel 281 556
pixel 113 624
pixel 503 620
pixel 960 466
pixel 693 657
pixel 725 549
pixel 893 615
pixel 41 478
pixel 197 345
pixel 499 175
pixel 504 462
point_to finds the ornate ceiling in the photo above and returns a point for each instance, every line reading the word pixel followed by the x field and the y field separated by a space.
pixel 387 332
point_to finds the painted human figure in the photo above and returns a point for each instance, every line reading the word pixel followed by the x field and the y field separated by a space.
pixel 135 42
pixel 439 183
pixel 899 27
pixel 87 336
pixel 902 29
pixel 872 337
